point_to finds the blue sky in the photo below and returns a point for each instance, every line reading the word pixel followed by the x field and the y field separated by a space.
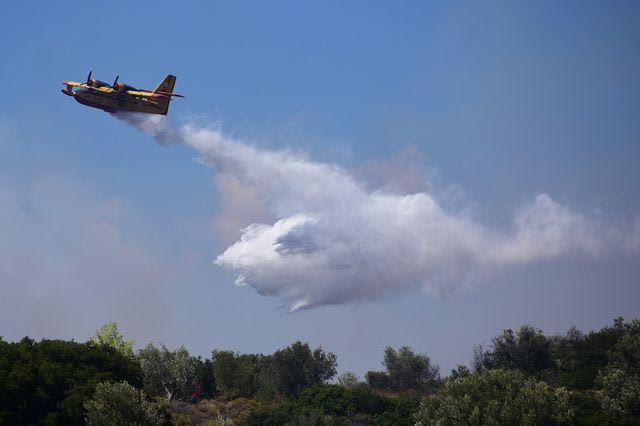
pixel 497 102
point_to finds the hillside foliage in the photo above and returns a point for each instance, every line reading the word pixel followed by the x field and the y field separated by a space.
pixel 48 382
pixel 521 377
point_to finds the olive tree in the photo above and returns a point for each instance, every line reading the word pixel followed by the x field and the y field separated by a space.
pixel 297 367
pixel 169 373
pixel 108 334
pixel 408 370
pixel 528 350
pixel 348 380
pixel 237 375
pixel 121 404
pixel 619 382
pixel 495 397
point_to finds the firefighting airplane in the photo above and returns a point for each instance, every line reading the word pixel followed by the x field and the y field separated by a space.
pixel 119 96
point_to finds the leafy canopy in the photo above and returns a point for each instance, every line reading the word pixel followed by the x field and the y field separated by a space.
pixel 108 335
pixel 121 404
pixel 169 373
pixel 49 381
pixel 495 397
pixel 406 370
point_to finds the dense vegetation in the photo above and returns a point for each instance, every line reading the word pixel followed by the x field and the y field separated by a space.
pixel 119 404
pixel 522 377
pixel 334 404
pixel 50 381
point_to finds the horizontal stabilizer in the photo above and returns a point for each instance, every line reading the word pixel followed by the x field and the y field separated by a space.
pixel 171 94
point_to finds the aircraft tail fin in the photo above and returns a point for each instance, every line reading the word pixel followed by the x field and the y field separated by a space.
pixel 165 86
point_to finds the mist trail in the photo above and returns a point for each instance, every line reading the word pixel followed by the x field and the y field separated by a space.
pixel 329 240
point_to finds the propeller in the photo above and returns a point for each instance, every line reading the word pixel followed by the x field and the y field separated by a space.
pixel 115 81
pixel 89 78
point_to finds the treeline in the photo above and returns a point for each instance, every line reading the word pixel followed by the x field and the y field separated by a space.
pixel 521 377
pixel 55 381
pixel 525 377
pixel 49 382
pixel 284 374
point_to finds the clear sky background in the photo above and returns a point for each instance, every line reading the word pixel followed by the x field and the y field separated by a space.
pixel 495 101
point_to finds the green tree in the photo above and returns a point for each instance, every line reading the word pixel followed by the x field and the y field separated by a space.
pixel 205 378
pixel 460 371
pixel 619 382
pixel 236 375
pixel 297 367
pixel 48 382
pixel 377 379
pixel 579 358
pixel 225 371
pixel 407 370
pixel 287 372
pixel 348 380
pixel 108 335
pixel 121 404
pixel 495 397
pixel 168 373
pixel 527 350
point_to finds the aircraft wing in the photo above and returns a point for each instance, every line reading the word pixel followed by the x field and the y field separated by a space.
pixel 103 89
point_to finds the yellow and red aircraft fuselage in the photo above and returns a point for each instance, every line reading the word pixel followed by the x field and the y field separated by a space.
pixel 122 97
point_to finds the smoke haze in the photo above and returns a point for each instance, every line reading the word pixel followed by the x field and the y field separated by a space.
pixel 314 234
pixel 67 253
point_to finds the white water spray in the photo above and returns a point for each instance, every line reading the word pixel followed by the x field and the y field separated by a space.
pixel 332 241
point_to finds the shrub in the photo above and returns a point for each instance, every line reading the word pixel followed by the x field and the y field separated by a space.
pixel 495 397
pixel 49 381
pixel 120 404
